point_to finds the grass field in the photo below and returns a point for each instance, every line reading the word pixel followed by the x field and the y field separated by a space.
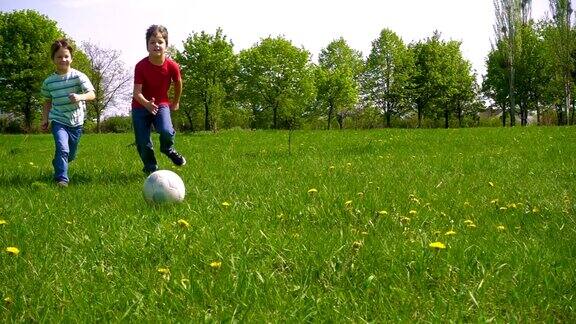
pixel 339 230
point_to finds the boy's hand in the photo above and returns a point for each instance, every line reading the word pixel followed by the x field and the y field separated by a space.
pixel 175 106
pixel 45 124
pixel 74 98
pixel 151 106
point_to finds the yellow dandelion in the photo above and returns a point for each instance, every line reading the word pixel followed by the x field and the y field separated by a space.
pixel 348 164
pixel 331 167
pixel 503 208
pixel 471 225
pixel 164 271
pixel 501 228
pixel 348 203
pixel 416 200
pixel 412 212
pixel 357 244
pixel 215 264
pixel 450 233
pixel 313 191
pixel 3 222
pixel 226 204
pixel 494 201
pixel 382 212
pixel 8 300
pixel 437 245
pixel 468 221
pixel 12 250
pixel 183 223
pixel 491 184
pixel 512 205
pixel 535 210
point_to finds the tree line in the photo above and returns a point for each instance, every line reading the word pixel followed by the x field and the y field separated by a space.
pixel 531 68
pixel 530 73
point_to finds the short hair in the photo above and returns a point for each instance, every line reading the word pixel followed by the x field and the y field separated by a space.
pixel 152 30
pixel 61 43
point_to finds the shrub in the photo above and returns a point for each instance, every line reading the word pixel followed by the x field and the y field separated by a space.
pixel 235 117
pixel 116 124
pixel 9 124
pixel 89 127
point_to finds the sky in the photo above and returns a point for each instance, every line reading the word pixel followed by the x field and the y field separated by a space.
pixel 121 24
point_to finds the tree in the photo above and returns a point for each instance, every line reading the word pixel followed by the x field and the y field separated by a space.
pixel 387 78
pixel 495 84
pixel 209 67
pixel 443 82
pixel 562 46
pixel 276 77
pixel 110 78
pixel 512 23
pixel 462 98
pixel 25 39
pixel 337 78
pixel 533 73
pixel 508 20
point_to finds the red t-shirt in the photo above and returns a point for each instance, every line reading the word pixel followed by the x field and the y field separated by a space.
pixel 155 80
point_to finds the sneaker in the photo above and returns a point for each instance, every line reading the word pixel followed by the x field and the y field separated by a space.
pixel 176 158
pixel 62 184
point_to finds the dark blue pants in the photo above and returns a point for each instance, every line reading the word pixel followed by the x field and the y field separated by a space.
pixel 142 120
pixel 66 141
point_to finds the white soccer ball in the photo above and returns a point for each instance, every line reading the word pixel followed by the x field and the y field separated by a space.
pixel 164 186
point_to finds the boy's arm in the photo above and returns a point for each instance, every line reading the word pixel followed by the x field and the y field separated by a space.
pixel 177 94
pixel 139 97
pixel 90 95
pixel 45 111
pixel 74 97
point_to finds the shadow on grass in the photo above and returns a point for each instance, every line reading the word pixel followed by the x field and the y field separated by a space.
pixel 41 179
pixel 108 178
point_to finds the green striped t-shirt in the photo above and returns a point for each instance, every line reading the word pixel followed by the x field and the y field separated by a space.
pixel 57 87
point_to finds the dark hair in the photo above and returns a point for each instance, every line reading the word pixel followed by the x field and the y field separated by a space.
pixel 61 43
pixel 152 30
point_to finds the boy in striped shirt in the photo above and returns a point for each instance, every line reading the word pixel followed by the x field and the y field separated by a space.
pixel 66 91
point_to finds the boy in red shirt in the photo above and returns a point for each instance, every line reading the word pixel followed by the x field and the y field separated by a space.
pixel 150 104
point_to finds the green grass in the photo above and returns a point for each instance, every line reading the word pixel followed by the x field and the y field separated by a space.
pixel 91 252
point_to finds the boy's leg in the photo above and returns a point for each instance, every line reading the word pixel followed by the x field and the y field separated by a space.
pixel 74 134
pixel 60 161
pixel 142 121
pixel 163 125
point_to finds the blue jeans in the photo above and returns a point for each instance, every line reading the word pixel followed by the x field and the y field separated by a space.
pixel 142 120
pixel 66 141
